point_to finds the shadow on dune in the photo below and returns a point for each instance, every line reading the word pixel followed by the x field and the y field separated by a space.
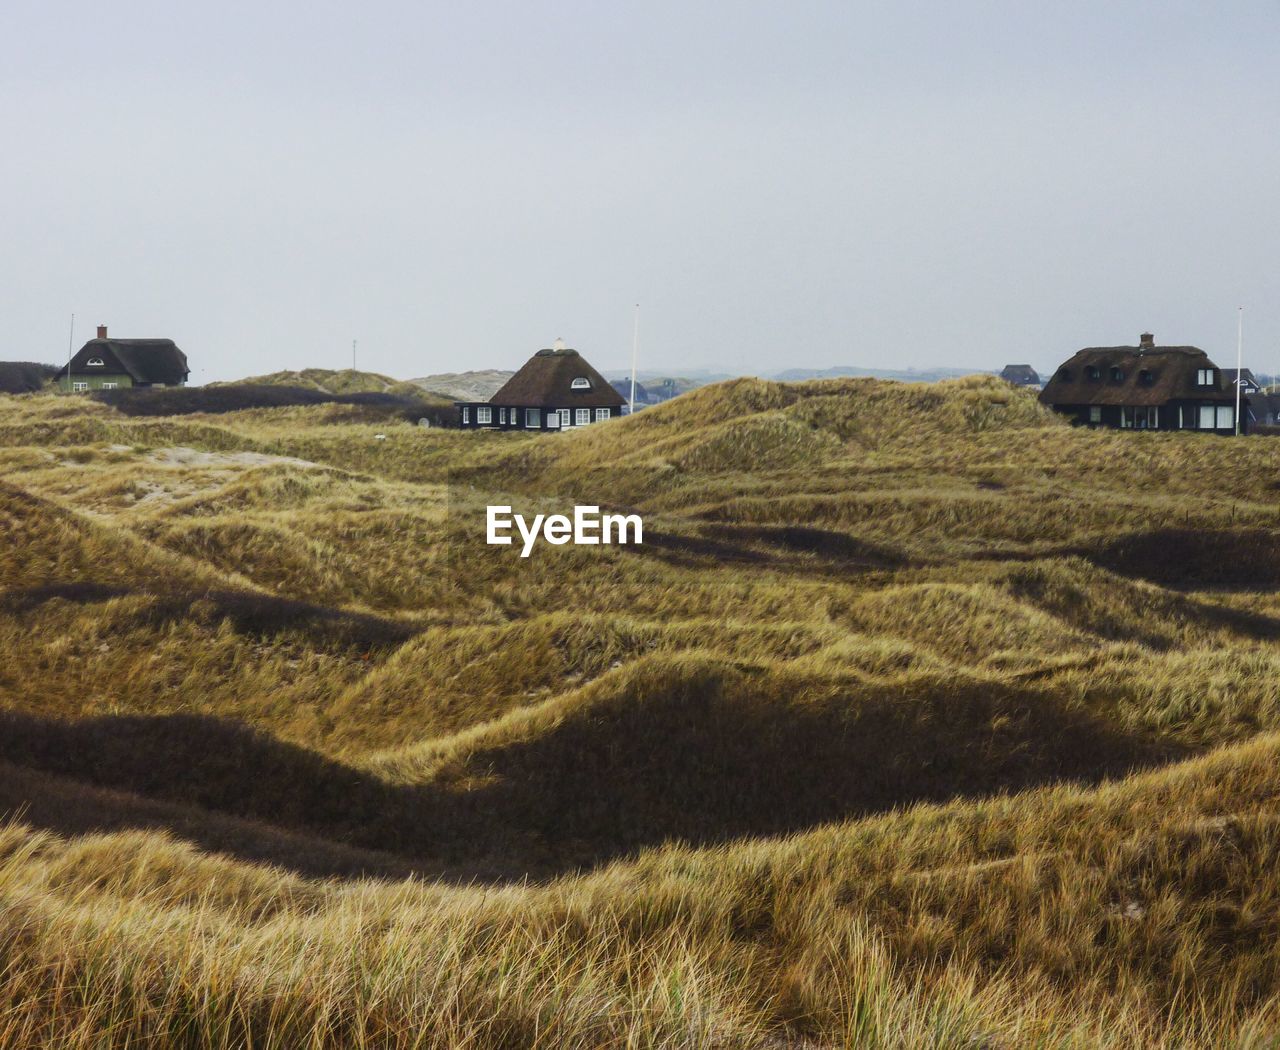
pixel 1194 559
pixel 261 615
pixel 700 754
pixel 793 547
pixel 704 754
pixel 1118 609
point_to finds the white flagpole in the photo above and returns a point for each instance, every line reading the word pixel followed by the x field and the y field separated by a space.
pixel 71 342
pixel 1239 364
pixel 635 350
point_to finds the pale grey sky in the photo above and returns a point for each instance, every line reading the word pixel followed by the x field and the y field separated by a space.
pixel 780 185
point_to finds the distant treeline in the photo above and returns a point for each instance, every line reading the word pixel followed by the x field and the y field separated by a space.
pixel 24 377
pixel 184 400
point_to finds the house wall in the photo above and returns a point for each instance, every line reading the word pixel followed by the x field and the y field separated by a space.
pixel 1112 416
pixel 516 416
pixel 95 379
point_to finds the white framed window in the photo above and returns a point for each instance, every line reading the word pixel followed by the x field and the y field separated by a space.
pixel 484 415
pixel 1206 417
pixel 533 417
pixel 502 416
pixel 581 383
pixel 563 415
pixel 466 416
pixel 95 362
pixel 79 386
pixel 581 417
pixel 1226 417
pixel 553 420
pixel 601 413
pixel 1204 377
pixel 110 386
pixel 1095 413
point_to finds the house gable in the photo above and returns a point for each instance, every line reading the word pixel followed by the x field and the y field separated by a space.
pixel 146 362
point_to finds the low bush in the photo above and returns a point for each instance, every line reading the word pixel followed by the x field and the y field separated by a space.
pixel 180 401
pixel 24 377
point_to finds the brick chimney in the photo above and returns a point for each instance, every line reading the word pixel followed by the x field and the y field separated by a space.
pixel 1146 340
pixel 102 331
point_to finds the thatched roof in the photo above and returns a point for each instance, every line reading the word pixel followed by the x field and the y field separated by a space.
pixel 1020 375
pixel 144 360
pixel 546 381
pixel 1133 375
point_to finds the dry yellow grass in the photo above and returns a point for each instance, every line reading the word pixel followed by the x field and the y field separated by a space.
pixel 920 719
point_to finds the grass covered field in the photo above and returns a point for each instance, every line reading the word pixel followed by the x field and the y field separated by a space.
pixel 919 719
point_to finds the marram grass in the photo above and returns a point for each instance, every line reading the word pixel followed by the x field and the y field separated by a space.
pixel 921 720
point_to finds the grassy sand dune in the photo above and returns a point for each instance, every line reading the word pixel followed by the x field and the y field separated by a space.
pixel 915 721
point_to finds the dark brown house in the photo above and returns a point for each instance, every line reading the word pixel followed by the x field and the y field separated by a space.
pixel 1248 383
pixel 1145 387
pixel 1020 375
pixel 106 364
pixel 555 390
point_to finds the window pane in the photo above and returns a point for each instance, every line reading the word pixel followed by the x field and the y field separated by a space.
pixel 602 413
pixel 583 416
pixel 1226 417
pixel 1206 417
pixel 533 417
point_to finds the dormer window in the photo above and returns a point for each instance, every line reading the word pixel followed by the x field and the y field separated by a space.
pixel 1206 377
pixel 581 383
pixel 1093 372
pixel 1117 375
pixel 1145 377
pixel 95 362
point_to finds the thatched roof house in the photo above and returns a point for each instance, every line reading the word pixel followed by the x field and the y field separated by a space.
pixel 106 364
pixel 556 389
pixel 1143 387
pixel 1020 375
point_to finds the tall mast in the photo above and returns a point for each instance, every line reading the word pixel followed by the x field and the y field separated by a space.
pixel 635 350
pixel 71 342
pixel 1239 363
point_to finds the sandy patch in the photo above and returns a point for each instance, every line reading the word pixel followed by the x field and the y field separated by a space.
pixel 181 456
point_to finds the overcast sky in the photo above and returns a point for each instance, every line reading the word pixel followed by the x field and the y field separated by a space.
pixel 779 185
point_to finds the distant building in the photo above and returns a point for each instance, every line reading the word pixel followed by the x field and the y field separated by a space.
pixel 1020 375
pixel 555 390
pixel 107 364
pixel 1248 385
pixel 1144 387
pixel 1264 409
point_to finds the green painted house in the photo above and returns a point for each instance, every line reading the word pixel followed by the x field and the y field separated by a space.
pixel 109 364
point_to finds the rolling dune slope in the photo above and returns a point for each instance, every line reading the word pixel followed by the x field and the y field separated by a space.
pixel 919 718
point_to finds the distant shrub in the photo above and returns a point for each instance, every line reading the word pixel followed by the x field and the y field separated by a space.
pixel 185 400
pixel 24 377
